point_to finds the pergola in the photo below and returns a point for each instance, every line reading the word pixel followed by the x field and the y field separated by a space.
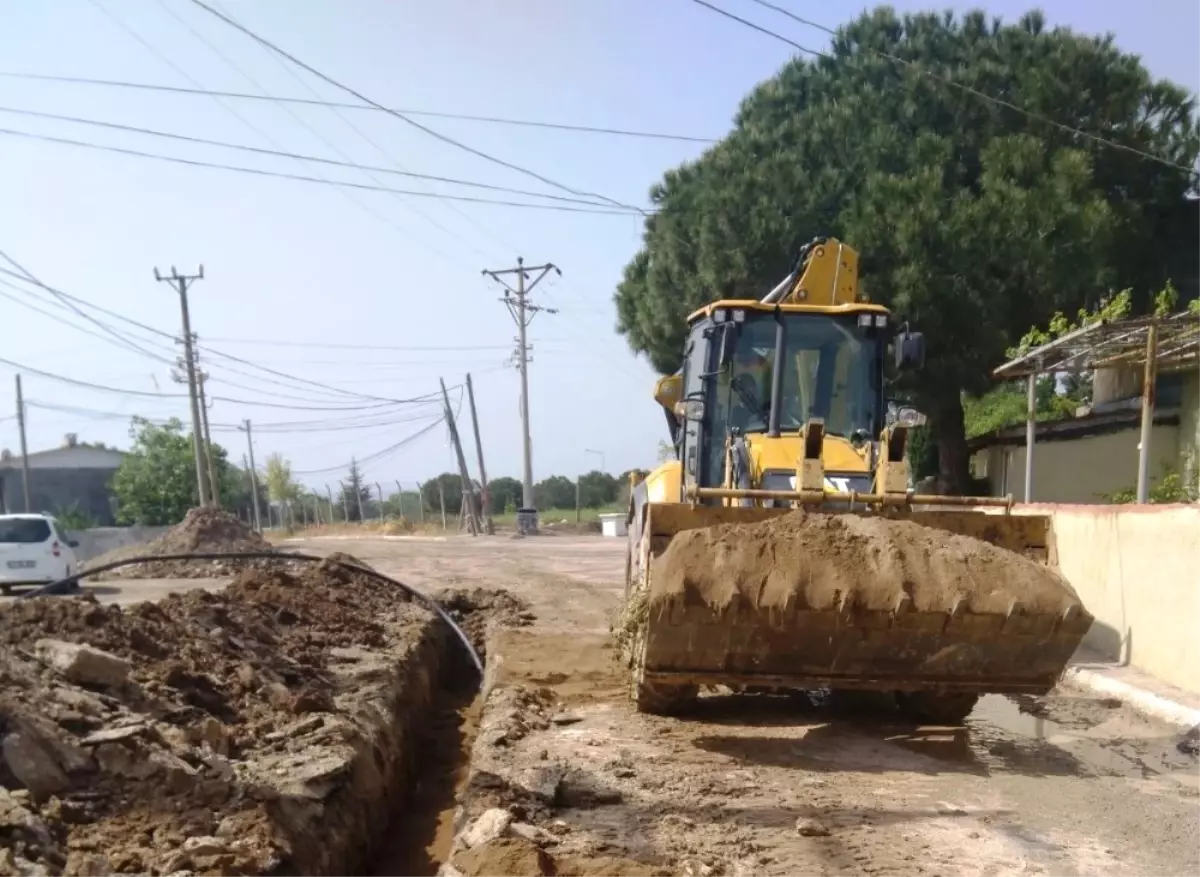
pixel 1157 344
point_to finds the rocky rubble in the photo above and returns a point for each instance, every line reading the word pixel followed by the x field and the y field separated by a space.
pixel 253 731
pixel 203 530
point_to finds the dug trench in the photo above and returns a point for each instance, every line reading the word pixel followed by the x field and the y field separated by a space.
pixel 306 722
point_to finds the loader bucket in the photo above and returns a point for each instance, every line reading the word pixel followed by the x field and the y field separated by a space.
pixel 968 639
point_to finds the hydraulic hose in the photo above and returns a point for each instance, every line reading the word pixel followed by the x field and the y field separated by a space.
pixel 67 585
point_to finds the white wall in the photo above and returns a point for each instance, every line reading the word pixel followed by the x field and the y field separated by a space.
pixel 100 540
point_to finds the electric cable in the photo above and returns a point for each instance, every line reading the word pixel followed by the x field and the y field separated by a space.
pixel 910 65
pixel 328 104
pixel 619 210
pixel 279 153
pixel 418 125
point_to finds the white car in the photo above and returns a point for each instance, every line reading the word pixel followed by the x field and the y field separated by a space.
pixel 34 551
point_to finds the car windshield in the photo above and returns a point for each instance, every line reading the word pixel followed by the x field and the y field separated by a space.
pixel 828 366
pixel 24 531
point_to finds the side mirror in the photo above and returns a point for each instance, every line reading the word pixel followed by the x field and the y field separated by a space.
pixel 910 351
pixel 73 543
pixel 691 409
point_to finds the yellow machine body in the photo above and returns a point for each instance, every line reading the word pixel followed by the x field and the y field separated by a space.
pixel 724 475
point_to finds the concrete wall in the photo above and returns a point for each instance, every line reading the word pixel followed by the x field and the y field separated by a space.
pixel 1080 470
pixel 99 540
pixel 1137 570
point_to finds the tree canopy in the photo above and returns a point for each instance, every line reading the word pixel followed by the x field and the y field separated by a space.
pixel 973 220
pixel 156 482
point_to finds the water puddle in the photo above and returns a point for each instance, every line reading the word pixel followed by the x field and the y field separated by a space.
pixel 1086 739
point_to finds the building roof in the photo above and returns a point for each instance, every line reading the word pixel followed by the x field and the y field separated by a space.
pixel 69 457
pixel 1111 343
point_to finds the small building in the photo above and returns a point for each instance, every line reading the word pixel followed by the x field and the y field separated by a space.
pixel 1089 457
pixel 72 477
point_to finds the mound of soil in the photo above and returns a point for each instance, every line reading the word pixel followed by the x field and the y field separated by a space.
pixel 818 561
pixel 519 857
pixel 172 736
pixel 203 530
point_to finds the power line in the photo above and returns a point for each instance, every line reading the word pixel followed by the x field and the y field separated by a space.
pixel 348 346
pixel 303 123
pixel 430 131
pixel 242 147
pixel 307 179
pixel 66 302
pixel 316 102
pixel 378 455
pixel 1095 138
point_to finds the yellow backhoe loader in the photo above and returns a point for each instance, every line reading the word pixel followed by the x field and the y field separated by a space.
pixel 780 405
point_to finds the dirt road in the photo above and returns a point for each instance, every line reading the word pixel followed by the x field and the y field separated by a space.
pixel 1066 784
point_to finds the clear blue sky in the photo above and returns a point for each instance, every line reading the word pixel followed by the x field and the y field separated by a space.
pixel 298 262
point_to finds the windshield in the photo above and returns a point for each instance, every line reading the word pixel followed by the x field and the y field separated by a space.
pixel 24 531
pixel 829 372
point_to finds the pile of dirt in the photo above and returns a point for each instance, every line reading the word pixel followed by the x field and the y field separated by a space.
pixel 521 857
pixel 821 561
pixel 203 530
pixel 242 732
pixel 474 609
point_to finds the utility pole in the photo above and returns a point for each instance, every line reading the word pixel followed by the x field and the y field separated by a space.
pixel 249 467
pixel 442 503
pixel 420 501
pixel 468 489
pixel 523 312
pixel 329 495
pixel 379 490
pixel 24 444
pixel 245 427
pixel 485 504
pixel 213 484
pixel 180 283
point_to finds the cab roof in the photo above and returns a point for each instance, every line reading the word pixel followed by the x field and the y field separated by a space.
pixel 755 305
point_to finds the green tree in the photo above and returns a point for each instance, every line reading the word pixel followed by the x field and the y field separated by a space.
pixel 281 487
pixel 356 491
pixel 598 489
pixel 505 493
pixel 973 220
pixel 156 482
pixel 555 492
pixel 451 485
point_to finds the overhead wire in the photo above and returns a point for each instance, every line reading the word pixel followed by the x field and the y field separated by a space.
pixel 614 211
pixel 300 120
pixel 65 301
pixel 403 117
pixel 1095 138
pixel 378 455
pixel 242 147
pixel 317 102
pixel 349 195
pixel 450 205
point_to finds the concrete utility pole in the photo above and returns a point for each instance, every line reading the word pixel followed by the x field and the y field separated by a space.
pixel 254 517
pixel 379 490
pixel 24 445
pixel 485 503
pixel 420 500
pixel 468 490
pixel 245 427
pixel 329 495
pixel 523 312
pixel 214 485
pixel 180 283
pixel 442 502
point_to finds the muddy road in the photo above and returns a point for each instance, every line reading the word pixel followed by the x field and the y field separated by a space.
pixel 1066 784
